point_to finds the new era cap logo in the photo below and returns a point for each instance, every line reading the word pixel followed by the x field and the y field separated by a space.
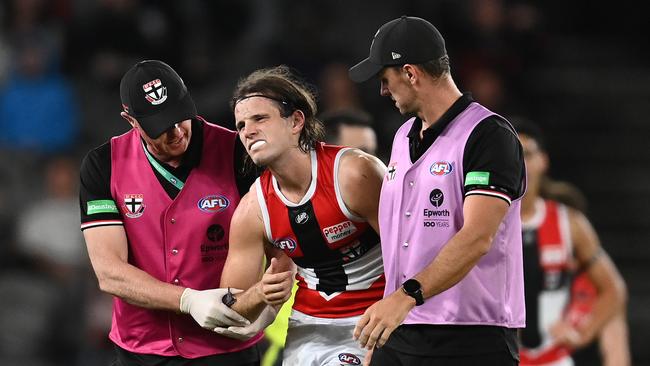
pixel 395 55
pixel 156 93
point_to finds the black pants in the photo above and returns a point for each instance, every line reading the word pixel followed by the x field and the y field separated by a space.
pixel 388 357
pixel 246 357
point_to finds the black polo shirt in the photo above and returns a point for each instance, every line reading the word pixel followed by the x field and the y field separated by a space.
pixel 95 174
pixel 492 147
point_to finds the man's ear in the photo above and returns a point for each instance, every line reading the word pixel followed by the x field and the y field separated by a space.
pixel 132 121
pixel 298 119
pixel 411 72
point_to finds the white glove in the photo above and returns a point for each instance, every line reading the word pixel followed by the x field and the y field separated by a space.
pixel 245 333
pixel 208 310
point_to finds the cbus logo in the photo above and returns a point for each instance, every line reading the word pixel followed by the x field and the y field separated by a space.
pixel 286 244
pixel 441 168
pixel 213 204
pixel 349 358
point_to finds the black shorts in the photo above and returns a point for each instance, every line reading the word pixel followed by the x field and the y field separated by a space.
pixel 388 357
pixel 427 344
pixel 246 357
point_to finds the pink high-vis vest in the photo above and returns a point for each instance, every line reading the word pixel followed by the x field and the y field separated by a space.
pixel 421 208
pixel 182 241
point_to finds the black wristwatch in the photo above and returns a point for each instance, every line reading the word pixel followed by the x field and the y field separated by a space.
pixel 413 288
pixel 229 299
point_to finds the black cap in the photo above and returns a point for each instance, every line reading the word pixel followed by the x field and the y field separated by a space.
pixel 153 93
pixel 405 40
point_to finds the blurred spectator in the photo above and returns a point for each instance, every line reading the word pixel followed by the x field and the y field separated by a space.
pixel 337 91
pixel 351 127
pixel 46 227
pixel 41 323
pixel 37 105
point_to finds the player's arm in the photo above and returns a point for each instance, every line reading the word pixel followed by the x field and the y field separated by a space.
pixel 360 176
pixel 244 268
pixel 602 272
pixel 108 252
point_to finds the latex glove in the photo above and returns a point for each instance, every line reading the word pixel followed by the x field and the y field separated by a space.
pixel 245 333
pixel 208 310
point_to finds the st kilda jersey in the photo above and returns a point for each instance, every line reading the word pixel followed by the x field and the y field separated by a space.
pixel 548 270
pixel 340 269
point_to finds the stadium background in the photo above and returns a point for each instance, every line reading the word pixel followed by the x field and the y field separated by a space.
pixel 580 69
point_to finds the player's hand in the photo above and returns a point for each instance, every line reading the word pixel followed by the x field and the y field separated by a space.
pixel 208 310
pixel 275 286
pixel 381 319
pixel 245 333
pixel 567 335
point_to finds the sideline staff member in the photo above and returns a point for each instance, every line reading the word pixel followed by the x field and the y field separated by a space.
pixel 448 214
pixel 156 204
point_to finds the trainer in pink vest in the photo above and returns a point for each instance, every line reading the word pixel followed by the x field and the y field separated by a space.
pixel 421 208
pixel 182 241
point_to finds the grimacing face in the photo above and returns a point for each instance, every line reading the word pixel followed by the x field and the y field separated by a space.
pixel 262 130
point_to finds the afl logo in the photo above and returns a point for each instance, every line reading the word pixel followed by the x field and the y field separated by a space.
pixel 213 204
pixel 441 168
pixel 286 244
pixel 349 359
pixel 301 218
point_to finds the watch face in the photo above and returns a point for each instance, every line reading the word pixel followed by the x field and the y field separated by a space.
pixel 412 286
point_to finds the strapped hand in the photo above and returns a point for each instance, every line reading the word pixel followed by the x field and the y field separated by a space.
pixel 244 333
pixel 208 310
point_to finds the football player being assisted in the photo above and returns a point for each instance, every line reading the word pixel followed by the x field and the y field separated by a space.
pixel 316 206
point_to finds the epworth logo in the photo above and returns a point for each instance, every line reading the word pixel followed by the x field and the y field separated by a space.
pixel 156 93
pixel 134 205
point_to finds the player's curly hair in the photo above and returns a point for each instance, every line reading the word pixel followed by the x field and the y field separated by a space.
pixel 290 93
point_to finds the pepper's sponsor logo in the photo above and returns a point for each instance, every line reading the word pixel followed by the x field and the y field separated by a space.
pixel 436 218
pixel 133 205
pixel 286 244
pixel 155 92
pixel 391 171
pixel 339 231
pixel 213 203
pixel 301 218
pixel 349 359
pixel 441 168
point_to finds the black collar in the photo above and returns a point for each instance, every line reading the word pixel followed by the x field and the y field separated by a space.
pixel 417 146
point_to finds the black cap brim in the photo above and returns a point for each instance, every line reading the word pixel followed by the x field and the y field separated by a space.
pixel 364 70
pixel 158 123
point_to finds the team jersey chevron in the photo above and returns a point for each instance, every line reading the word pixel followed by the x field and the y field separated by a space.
pixel 340 270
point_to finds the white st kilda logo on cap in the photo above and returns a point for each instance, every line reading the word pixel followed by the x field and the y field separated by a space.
pixel 155 92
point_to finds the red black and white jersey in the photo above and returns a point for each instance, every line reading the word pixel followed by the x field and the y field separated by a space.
pixel 548 271
pixel 340 269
